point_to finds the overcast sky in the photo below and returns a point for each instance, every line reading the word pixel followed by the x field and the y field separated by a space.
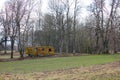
pixel 45 7
pixel 84 4
pixel 1 3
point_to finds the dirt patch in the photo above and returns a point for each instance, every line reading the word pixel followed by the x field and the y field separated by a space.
pixel 110 71
pixel 84 73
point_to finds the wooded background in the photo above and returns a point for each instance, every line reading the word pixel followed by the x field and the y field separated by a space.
pixel 62 26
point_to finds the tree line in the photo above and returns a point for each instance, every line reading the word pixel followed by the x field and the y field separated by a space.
pixel 62 26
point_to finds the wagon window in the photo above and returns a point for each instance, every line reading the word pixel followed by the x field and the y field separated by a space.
pixel 50 50
pixel 42 49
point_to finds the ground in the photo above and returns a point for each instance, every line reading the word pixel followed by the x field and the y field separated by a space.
pixel 90 67
pixel 109 71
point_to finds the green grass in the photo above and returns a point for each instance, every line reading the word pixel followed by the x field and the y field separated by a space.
pixel 50 64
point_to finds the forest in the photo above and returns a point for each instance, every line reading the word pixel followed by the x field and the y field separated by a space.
pixel 62 26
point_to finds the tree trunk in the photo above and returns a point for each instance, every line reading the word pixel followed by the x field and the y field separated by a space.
pixel 12 47
pixel 61 46
pixel 21 53
pixel 74 36
pixel 97 43
pixel 19 42
pixel 5 51
pixel 106 47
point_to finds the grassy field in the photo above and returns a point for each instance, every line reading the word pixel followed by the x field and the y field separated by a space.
pixel 51 64
pixel 91 67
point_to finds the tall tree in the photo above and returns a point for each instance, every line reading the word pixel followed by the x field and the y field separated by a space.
pixel 5 23
pixel 97 10
pixel 76 12
pixel 21 13
pixel 57 8
pixel 113 22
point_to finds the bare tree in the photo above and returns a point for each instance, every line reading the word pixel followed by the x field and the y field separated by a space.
pixel 21 13
pixel 5 23
pixel 68 5
pixel 39 22
pixel 76 12
pixel 9 24
pixel 57 8
pixel 97 9
pixel 105 25
pixel 113 22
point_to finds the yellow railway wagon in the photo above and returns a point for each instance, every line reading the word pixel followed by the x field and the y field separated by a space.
pixel 31 51
pixel 40 51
